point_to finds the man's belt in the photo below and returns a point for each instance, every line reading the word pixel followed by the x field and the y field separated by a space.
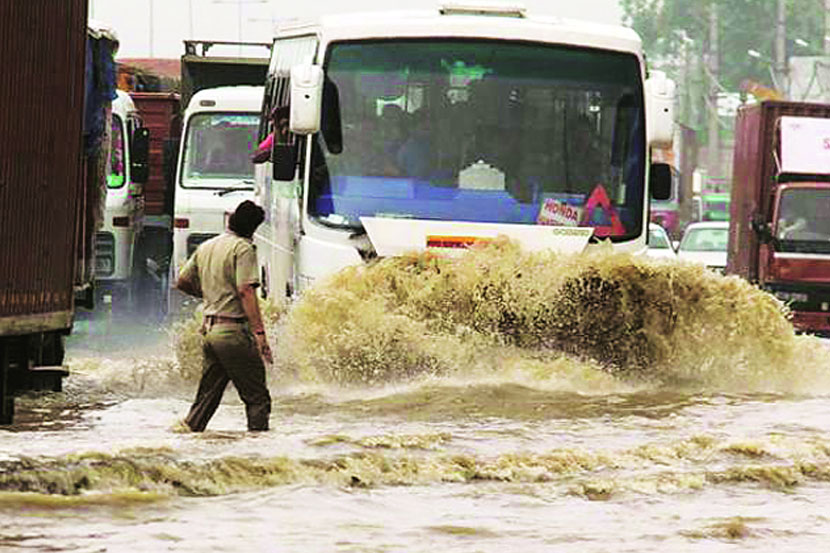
pixel 214 319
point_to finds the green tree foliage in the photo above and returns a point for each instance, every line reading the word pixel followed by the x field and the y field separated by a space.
pixel 669 26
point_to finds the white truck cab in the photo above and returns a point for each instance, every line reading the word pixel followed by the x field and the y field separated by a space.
pixel 116 240
pixel 215 172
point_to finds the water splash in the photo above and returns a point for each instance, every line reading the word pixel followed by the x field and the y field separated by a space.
pixel 601 322
pixel 572 319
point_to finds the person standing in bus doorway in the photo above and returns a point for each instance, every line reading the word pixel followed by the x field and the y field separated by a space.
pixel 223 272
pixel 278 134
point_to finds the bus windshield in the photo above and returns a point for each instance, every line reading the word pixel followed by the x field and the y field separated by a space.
pixel 488 131
pixel 218 150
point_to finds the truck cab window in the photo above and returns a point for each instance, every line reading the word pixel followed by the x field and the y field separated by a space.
pixel 219 148
pixel 803 220
pixel 115 178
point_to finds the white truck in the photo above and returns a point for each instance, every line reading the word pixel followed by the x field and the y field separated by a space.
pixel 222 91
pixel 119 267
pixel 215 172
pixel 435 129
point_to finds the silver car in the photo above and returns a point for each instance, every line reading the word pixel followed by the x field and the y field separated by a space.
pixel 705 242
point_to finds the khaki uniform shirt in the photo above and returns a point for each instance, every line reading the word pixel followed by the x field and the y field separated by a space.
pixel 221 266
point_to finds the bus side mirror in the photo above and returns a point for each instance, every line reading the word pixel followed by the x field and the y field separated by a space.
pixel 659 181
pixel 140 155
pixel 283 162
pixel 659 91
pixel 306 98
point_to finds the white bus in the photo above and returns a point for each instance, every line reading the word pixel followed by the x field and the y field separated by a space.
pixel 436 129
pixel 215 172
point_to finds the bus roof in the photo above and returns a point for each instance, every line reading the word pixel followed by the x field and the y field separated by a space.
pixel 443 22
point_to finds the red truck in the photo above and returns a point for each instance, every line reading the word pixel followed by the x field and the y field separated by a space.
pixel 160 114
pixel 779 232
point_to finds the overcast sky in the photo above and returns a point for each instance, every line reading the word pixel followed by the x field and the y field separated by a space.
pixel 156 28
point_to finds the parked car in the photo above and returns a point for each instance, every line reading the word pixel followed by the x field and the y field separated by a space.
pixel 659 244
pixel 705 242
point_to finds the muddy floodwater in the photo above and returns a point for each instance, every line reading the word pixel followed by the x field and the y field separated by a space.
pixel 500 402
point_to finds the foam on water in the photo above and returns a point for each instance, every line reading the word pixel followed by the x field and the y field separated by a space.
pixel 656 468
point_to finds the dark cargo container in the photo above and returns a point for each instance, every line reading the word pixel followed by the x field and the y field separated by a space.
pixel 40 160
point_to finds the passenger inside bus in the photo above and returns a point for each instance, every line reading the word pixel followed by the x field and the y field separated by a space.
pixel 414 155
pixel 279 124
pixel 390 136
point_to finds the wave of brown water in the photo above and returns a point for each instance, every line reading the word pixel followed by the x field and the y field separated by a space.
pixel 568 320
pixel 637 471
pixel 501 401
pixel 695 462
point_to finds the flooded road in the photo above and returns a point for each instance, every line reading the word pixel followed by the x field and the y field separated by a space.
pixel 419 407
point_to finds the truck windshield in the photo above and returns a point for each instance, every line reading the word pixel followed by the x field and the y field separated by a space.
pixel 474 130
pixel 803 224
pixel 218 149
pixel 115 178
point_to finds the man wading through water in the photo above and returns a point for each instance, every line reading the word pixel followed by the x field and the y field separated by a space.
pixel 223 272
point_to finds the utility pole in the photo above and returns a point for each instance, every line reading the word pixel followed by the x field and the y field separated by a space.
pixel 780 53
pixel 713 146
pixel 151 29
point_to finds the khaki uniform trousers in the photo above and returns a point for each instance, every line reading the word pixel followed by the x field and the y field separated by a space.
pixel 230 355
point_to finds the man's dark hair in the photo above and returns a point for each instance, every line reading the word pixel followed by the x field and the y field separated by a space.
pixel 246 218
